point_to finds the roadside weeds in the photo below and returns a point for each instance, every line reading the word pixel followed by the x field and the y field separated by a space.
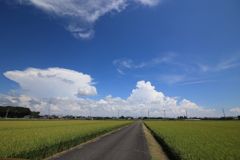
pixel 155 149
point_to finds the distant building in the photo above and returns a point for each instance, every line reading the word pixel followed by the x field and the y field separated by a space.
pixel 27 116
pixel 51 117
pixel 89 118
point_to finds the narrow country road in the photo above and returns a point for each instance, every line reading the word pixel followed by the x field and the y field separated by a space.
pixel 128 143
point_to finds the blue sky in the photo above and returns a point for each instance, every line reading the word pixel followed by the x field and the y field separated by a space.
pixel 131 55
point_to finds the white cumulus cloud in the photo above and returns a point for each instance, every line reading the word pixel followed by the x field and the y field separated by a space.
pixel 145 92
pixel 44 83
pixel 235 110
pixel 142 99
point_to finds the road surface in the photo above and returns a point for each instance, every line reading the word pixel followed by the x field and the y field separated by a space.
pixel 129 143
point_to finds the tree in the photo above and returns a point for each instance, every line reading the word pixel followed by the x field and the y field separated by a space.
pixel 14 112
pixel 122 117
pixel 35 114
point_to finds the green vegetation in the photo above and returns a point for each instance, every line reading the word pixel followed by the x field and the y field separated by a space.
pixel 155 149
pixel 190 140
pixel 40 139
pixel 16 112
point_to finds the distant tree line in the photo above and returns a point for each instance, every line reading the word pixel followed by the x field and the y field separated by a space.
pixel 101 118
pixel 17 112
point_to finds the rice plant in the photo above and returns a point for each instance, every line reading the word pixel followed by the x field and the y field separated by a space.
pixel 211 140
pixel 40 139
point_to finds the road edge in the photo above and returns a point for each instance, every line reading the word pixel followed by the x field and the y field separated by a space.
pixel 155 149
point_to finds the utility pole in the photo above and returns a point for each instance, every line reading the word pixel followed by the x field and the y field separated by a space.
pixel 90 112
pixel 186 113
pixel 49 113
pixel 7 112
pixel 164 114
pixel 118 113
pixel 223 112
pixel 148 114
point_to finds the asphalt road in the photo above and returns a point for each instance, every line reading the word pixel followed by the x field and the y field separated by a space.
pixel 129 143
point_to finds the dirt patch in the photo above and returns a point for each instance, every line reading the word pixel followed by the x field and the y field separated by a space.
pixel 155 149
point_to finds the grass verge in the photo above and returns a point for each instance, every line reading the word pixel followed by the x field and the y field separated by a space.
pixel 155 149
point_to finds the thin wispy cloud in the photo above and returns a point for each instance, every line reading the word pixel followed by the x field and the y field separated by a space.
pixel 125 63
pixel 195 82
pixel 80 15
pixel 203 67
pixel 230 63
pixel 150 2
pixel 172 79
pixel 120 71
pixel 167 58
pixel 176 69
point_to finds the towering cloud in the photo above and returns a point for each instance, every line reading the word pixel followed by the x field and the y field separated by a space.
pixel 145 92
pixel 45 83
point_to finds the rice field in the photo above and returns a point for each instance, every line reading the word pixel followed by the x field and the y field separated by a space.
pixel 201 140
pixel 40 139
